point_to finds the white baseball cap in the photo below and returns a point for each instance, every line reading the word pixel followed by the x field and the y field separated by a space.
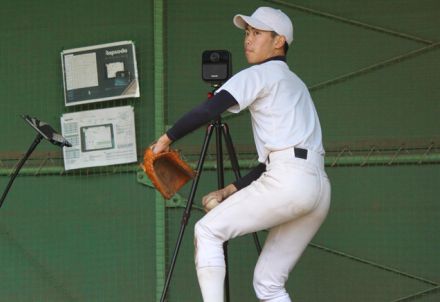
pixel 267 18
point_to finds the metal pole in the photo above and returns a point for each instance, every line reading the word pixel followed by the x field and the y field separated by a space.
pixel 31 149
pixel 187 211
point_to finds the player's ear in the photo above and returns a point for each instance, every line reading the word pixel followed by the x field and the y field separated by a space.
pixel 279 41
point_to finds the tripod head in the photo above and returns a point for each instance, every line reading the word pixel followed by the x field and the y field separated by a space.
pixel 46 131
pixel 214 89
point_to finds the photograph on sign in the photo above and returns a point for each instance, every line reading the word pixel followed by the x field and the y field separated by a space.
pixel 98 137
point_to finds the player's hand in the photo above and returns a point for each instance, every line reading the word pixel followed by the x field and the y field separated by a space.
pixel 214 198
pixel 162 144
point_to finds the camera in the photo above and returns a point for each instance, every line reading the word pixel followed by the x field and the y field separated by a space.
pixel 216 66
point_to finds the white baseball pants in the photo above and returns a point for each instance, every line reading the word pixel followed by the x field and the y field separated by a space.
pixel 291 200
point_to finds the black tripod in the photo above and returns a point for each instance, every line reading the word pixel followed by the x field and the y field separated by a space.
pixel 43 131
pixel 221 129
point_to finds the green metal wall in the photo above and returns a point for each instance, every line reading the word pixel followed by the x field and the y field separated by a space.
pixel 101 235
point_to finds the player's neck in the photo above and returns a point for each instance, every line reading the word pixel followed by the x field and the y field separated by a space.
pixel 275 58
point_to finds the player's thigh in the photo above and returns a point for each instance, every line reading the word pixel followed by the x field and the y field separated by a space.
pixel 278 196
pixel 285 243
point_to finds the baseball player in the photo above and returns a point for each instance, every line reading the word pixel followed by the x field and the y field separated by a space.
pixel 288 192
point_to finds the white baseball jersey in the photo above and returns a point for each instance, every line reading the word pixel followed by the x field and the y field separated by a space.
pixel 282 110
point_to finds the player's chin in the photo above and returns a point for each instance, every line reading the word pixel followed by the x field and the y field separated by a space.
pixel 250 57
pixel 253 59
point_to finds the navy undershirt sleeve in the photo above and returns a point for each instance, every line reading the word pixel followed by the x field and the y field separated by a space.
pixel 200 115
pixel 254 174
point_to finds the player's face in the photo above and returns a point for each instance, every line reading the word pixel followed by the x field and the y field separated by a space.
pixel 259 45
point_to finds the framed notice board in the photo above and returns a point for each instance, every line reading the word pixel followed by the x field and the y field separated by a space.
pixel 99 73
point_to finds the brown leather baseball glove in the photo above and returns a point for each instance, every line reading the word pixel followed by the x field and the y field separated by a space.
pixel 167 171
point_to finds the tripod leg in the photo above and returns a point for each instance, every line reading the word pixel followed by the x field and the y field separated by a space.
pixel 236 169
pixel 187 212
pixel 225 252
pixel 31 149
pixel 231 151
pixel 220 185
pixel 219 157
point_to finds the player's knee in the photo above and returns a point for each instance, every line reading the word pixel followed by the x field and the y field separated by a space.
pixel 202 231
pixel 208 247
pixel 206 230
pixel 266 290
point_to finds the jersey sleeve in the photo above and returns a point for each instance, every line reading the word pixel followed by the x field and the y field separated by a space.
pixel 201 114
pixel 245 86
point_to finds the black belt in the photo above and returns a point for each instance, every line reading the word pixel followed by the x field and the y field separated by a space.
pixel 298 153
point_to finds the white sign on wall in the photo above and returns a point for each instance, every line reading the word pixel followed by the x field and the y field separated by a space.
pixel 99 137
pixel 99 73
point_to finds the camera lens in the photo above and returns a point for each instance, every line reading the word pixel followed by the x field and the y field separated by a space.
pixel 214 57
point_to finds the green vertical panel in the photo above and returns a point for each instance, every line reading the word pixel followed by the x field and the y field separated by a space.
pixel 87 236
pixel 159 129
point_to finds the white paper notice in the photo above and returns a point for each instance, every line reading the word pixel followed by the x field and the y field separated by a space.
pixel 81 71
pixel 99 137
